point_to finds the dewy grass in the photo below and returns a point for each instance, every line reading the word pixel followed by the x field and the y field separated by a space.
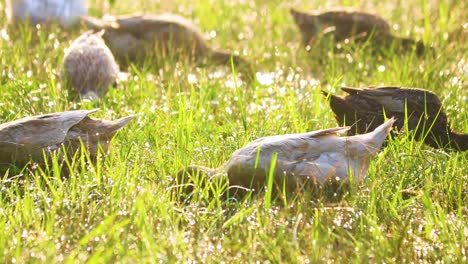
pixel 411 208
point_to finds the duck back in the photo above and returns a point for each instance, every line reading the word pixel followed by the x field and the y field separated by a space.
pixel 89 66
pixel 305 159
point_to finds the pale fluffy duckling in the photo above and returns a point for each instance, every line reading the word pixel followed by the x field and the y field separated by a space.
pixel 301 159
pixel 34 138
pixel 350 24
pixel 364 109
pixel 89 66
pixel 66 12
pixel 134 38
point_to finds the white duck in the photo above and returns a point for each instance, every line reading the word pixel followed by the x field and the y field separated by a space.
pixel 301 159
pixel 66 12
pixel 89 66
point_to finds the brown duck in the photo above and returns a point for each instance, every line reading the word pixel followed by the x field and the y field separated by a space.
pixel 364 110
pixel 33 138
pixel 344 24
pixel 133 38
pixel 89 66
pixel 301 160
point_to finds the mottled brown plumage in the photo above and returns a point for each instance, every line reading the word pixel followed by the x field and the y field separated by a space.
pixel 364 110
pixel 134 38
pixel 354 25
pixel 301 160
pixel 35 138
pixel 89 66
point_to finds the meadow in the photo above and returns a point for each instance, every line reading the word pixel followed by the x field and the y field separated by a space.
pixel 412 207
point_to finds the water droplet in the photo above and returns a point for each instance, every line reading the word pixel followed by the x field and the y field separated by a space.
pixel 191 78
pixel 212 34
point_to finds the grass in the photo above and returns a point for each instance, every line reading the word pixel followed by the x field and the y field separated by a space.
pixel 121 210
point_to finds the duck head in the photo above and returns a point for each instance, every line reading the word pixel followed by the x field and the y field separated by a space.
pixel 307 25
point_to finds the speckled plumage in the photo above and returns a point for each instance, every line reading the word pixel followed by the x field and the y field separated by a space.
pixel 133 38
pixel 29 138
pixel 89 66
pixel 364 109
pixel 301 159
pixel 66 12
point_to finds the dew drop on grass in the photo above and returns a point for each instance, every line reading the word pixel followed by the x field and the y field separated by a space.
pixel 230 84
pixel 265 78
pixel 192 79
pixel 212 34
pixel 455 81
pixel 122 76
pixel 4 34
pixel 381 68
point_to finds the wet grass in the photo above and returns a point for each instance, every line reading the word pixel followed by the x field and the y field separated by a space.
pixel 411 208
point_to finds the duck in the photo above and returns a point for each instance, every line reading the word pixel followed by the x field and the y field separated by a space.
pixel 297 161
pixel 133 38
pixel 417 109
pixel 36 138
pixel 342 24
pixel 66 12
pixel 89 66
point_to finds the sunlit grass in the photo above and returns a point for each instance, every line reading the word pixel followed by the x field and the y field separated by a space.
pixel 411 208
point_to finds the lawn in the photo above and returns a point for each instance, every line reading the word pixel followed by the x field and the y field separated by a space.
pixel 412 207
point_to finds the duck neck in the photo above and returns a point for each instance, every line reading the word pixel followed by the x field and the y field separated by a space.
pixel 241 65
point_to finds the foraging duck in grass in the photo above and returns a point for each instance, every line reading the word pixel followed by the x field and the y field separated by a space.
pixel 89 66
pixel 35 138
pixel 298 160
pixel 66 12
pixel 134 38
pixel 350 24
pixel 419 109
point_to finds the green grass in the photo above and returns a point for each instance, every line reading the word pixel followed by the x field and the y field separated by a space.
pixel 121 210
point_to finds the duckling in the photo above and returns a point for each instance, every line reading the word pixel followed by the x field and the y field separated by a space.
pixel 421 109
pixel 66 12
pixel 344 24
pixel 301 160
pixel 89 66
pixel 36 138
pixel 133 38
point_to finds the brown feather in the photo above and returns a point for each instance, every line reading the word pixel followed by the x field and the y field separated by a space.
pixel 421 109
pixel 134 38
pixel 354 25
pixel 35 138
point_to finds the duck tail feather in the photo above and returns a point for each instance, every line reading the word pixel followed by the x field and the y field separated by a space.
pixel 374 140
pixel 351 90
